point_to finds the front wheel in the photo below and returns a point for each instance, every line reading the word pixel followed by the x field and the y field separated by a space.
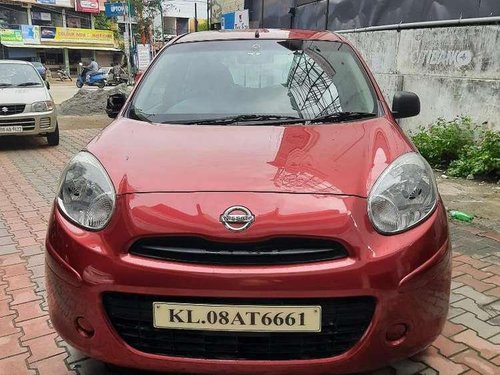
pixel 53 138
pixel 79 84
pixel 101 84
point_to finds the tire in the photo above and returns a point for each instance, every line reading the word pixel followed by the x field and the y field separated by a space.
pixel 53 138
pixel 101 84
pixel 79 84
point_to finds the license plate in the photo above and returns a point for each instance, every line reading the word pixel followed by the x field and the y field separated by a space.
pixel 11 129
pixel 241 318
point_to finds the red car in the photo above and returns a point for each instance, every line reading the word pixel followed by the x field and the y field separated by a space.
pixel 253 209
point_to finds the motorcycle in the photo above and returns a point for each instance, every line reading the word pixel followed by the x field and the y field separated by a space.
pixel 117 76
pixel 63 74
pixel 95 79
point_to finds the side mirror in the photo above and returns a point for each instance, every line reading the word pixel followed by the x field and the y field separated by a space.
pixel 115 104
pixel 47 84
pixel 405 104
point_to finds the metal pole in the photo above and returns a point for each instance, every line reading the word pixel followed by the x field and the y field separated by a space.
pixel 208 14
pixel 262 15
pixel 127 47
pixel 327 13
pixel 195 17
pixel 162 24
pixel 418 25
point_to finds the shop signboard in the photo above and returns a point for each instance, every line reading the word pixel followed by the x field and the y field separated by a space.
pixel 235 20
pixel 61 35
pixel 41 16
pixel 11 36
pixel 31 34
pixel 59 3
pixel 115 9
pixel 87 6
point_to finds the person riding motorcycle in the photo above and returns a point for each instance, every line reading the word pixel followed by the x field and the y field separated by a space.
pixel 93 67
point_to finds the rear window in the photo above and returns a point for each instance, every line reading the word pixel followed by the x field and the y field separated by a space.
pixel 296 78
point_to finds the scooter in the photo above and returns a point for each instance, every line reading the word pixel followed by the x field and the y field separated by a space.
pixel 63 74
pixel 95 79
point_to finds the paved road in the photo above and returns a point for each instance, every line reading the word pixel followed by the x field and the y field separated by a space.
pixel 29 171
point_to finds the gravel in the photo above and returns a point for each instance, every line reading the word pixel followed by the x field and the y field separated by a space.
pixel 90 101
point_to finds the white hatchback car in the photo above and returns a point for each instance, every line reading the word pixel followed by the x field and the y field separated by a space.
pixel 26 107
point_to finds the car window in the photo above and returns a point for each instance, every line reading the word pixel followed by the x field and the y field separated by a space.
pixel 203 80
pixel 19 75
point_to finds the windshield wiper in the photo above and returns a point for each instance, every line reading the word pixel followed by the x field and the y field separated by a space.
pixel 24 84
pixel 5 84
pixel 137 114
pixel 342 116
pixel 267 119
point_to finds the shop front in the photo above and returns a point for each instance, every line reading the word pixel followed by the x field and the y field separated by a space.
pixel 59 47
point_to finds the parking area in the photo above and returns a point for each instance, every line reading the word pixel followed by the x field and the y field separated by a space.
pixel 29 173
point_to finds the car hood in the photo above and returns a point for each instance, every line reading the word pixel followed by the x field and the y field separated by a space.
pixel 341 159
pixel 23 95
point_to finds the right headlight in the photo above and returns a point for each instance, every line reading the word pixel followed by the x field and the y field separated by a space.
pixel 46 105
pixel 86 194
pixel 404 195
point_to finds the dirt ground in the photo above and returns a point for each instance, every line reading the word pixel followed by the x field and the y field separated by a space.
pixel 476 198
pixel 83 122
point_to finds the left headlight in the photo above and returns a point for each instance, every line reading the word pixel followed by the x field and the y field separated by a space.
pixel 404 195
pixel 44 106
pixel 86 194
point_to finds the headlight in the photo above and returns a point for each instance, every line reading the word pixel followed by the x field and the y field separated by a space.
pixel 86 194
pixel 46 105
pixel 404 195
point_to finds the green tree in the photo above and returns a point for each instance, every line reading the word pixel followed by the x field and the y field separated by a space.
pixel 145 12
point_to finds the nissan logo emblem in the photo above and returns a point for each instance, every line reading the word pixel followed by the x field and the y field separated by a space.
pixel 237 218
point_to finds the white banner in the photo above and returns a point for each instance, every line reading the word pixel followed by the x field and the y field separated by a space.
pixel 143 56
pixel 181 9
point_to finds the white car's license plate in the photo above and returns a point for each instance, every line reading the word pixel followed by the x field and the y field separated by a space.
pixel 242 318
pixel 11 129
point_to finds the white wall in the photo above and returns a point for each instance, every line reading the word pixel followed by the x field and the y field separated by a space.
pixel 454 70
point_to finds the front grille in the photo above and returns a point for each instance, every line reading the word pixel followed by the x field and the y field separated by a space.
pixel 26 123
pixel 286 250
pixel 11 109
pixel 45 122
pixel 344 321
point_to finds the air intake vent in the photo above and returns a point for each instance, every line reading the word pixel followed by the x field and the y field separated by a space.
pixel 45 123
pixel 282 250
pixel 344 321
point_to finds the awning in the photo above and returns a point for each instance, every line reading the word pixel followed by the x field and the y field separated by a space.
pixel 45 46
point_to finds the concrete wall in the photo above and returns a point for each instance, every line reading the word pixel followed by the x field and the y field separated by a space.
pixel 454 70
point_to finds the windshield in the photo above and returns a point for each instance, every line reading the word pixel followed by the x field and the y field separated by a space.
pixel 19 75
pixel 294 79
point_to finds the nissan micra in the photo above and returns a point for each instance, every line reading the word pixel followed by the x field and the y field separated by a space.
pixel 254 208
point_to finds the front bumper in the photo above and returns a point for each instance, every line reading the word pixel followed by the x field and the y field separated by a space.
pixel 408 275
pixel 33 123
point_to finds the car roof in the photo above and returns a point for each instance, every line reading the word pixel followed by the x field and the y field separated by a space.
pixel 252 34
pixel 20 62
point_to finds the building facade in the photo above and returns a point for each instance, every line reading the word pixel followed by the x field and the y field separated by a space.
pixel 58 33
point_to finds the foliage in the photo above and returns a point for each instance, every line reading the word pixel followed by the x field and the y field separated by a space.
pixel 442 142
pixel 479 159
pixel 101 22
pixel 145 11
pixel 460 147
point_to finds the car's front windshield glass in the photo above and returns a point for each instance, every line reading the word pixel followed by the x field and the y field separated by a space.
pixel 19 75
pixel 253 79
